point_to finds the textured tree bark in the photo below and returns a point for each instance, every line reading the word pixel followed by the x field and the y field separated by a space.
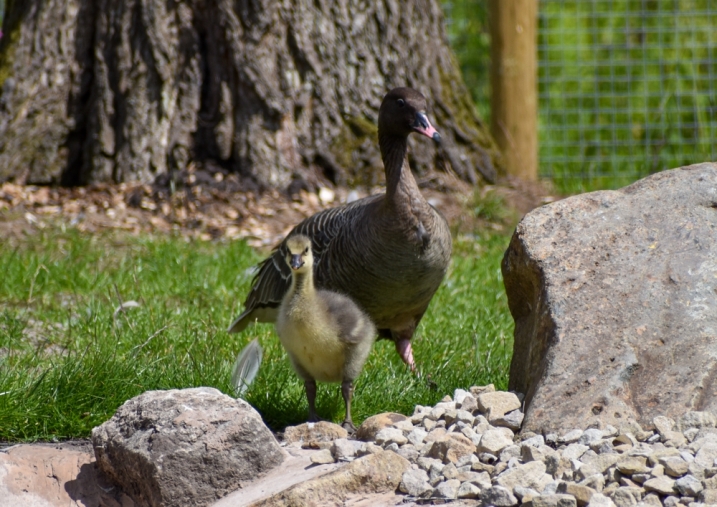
pixel 286 93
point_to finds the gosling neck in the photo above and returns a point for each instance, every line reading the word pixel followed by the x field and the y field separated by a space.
pixel 399 178
pixel 302 283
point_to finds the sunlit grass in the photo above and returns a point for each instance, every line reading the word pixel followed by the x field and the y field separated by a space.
pixel 69 357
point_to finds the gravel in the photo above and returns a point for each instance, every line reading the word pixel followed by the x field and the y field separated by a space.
pixel 457 454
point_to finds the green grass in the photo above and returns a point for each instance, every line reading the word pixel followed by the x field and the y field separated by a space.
pixel 68 359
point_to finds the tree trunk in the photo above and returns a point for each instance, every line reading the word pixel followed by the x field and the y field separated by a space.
pixel 281 92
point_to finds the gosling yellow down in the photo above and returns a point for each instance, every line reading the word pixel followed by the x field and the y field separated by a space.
pixel 326 335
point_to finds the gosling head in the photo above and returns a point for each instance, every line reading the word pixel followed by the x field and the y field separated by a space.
pixel 298 255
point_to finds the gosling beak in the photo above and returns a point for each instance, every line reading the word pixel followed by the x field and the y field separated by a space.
pixel 296 261
pixel 423 126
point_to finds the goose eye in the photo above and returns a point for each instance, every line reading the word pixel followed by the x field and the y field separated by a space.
pixel 306 250
pixel 401 102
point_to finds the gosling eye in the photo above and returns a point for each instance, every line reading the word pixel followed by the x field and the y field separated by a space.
pixel 306 250
pixel 401 102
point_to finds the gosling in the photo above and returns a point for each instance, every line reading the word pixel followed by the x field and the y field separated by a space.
pixel 327 336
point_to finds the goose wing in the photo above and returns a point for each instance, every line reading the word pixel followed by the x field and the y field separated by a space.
pixel 274 276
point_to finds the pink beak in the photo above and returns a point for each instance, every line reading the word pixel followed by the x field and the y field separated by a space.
pixel 423 126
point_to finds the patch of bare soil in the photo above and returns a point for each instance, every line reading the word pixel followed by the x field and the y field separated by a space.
pixel 210 206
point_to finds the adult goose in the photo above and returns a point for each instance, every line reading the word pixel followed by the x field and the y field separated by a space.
pixel 327 336
pixel 388 252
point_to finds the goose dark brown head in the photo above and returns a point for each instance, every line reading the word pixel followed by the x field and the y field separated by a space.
pixel 403 111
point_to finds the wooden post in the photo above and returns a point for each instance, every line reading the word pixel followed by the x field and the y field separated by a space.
pixel 513 79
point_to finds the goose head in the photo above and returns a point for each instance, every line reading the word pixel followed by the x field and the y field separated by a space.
pixel 403 111
pixel 298 254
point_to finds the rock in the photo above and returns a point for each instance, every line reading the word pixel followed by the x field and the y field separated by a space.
pixel 527 475
pixel 322 457
pixel 375 473
pixel 344 449
pixel 632 465
pixel 674 466
pixel 557 500
pixel 416 436
pixel 322 431
pixel 695 419
pixel 447 489
pixel 60 475
pixel 478 390
pixel 662 485
pixel 498 496
pixel 606 289
pixel 626 496
pixel 574 451
pixel 390 436
pixel 589 436
pixel 184 447
pixel 706 454
pixel 409 452
pixel 599 500
pixel 582 494
pixel 511 420
pixel 372 425
pixel 469 404
pixel 415 483
pixel 688 485
pixel 494 441
pixel 468 490
pixel 708 496
pixel 496 404
pixel 451 447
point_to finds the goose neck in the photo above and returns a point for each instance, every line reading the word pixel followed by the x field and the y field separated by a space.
pixel 394 152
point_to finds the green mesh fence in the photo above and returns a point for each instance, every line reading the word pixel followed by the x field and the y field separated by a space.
pixel 626 87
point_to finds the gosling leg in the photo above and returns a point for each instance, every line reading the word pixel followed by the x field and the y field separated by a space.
pixel 310 387
pixel 347 390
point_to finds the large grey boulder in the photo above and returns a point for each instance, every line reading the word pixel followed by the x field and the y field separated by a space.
pixel 184 447
pixel 614 296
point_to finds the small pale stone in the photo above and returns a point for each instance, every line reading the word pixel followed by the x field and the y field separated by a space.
pixel 447 489
pixel 425 463
pixel 663 424
pixel 498 496
pixel 415 483
pixel 436 413
pixel 595 481
pixel 322 457
pixel 652 500
pixel 582 494
pixel 599 500
pixel 494 441
pixel 525 494
pixel 406 425
pixel 556 500
pixel 632 465
pixel 452 447
pixel 497 404
pixel 589 436
pixel 469 404
pixel 674 466
pixel 527 475
pixel 511 420
pixel 464 416
pixel 468 490
pixel 409 452
pixel 449 471
pixel 416 436
pixel 708 496
pixel 662 485
pixel 389 436
pixel 706 454
pixel 695 419
pixel 478 390
pixel 429 424
pixel 459 395
pixel 508 453
pixel 627 496
pixel 571 436
pixel 574 451
pixel 688 485
pixel 345 450
pixel 369 448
